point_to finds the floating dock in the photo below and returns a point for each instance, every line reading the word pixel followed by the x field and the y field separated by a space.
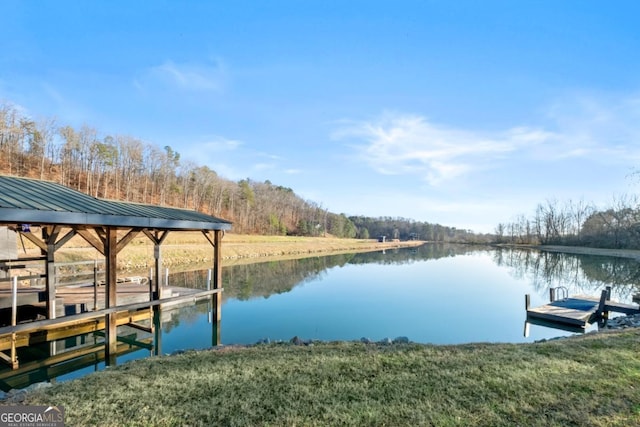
pixel 576 312
pixel 579 310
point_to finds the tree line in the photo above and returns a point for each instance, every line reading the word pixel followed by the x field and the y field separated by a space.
pixel 577 224
pixel 126 168
pixel 408 229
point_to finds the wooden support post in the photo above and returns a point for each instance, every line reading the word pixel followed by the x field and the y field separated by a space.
pixel 602 313
pixel 210 302
pixel 157 330
pixel 216 299
pixel 217 274
pixel 552 294
pixel 157 238
pixel 527 301
pixel 111 329
pixel 215 334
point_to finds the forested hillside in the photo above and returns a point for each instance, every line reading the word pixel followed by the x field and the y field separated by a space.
pixel 126 168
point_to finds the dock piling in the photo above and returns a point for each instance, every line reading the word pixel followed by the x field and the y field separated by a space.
pixel 602 313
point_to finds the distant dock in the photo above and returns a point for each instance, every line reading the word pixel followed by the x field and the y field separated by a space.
pixel 575 312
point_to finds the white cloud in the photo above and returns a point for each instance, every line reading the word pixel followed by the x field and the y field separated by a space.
pixel 235 159
pixel 184 76
pixel 410 144
pixel 263 166
pixel 226 171
pixel 220 143
pixel 208 151
pixel 605 127
pixel 215 151
pixel 407 144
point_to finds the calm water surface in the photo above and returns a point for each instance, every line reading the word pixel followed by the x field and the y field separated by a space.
pixel 440 294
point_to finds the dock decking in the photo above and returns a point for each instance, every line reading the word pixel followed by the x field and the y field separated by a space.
pixel 83 309
pixel 79 299
pixel 577 311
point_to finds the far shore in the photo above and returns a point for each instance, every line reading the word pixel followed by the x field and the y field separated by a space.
pixel 184 250
pixel 583 250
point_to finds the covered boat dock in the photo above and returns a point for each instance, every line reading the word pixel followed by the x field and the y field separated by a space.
pixel 49 215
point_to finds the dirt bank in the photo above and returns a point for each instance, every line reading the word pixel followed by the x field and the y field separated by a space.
pixel 184 249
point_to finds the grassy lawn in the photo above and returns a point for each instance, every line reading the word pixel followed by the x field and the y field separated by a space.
pixel 592 380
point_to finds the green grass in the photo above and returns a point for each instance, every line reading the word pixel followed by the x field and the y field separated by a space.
pixel 592 380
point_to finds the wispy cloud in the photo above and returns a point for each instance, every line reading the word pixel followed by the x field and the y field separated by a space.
pixel 210 76
pixel 235 159
pixel 410 144
pixel 603 126
pixel 263 166
pixel 220 143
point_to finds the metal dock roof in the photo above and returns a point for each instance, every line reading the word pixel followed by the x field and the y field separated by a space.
pixel 31 201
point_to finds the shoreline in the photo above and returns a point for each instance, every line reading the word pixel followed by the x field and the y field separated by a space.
pixel 581 250
pixel 182 250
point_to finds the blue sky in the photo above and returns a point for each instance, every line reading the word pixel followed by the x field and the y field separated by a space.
pixel 463 113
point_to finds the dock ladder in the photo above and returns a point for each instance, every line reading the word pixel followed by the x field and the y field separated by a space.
pixel 555 293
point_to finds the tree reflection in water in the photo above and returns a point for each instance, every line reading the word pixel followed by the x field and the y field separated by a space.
pixel 580 274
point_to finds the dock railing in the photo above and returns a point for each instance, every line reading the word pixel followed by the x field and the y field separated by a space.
pixel 29 270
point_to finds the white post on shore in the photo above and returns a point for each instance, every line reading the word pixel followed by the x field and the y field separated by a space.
pixel 14 301
pixel 14 321
pixel 151 284
pixel 95 284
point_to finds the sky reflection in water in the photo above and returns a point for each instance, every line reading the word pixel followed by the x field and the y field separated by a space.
pixel 467 298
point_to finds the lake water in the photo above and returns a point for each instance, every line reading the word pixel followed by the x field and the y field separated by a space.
pixel 440 294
